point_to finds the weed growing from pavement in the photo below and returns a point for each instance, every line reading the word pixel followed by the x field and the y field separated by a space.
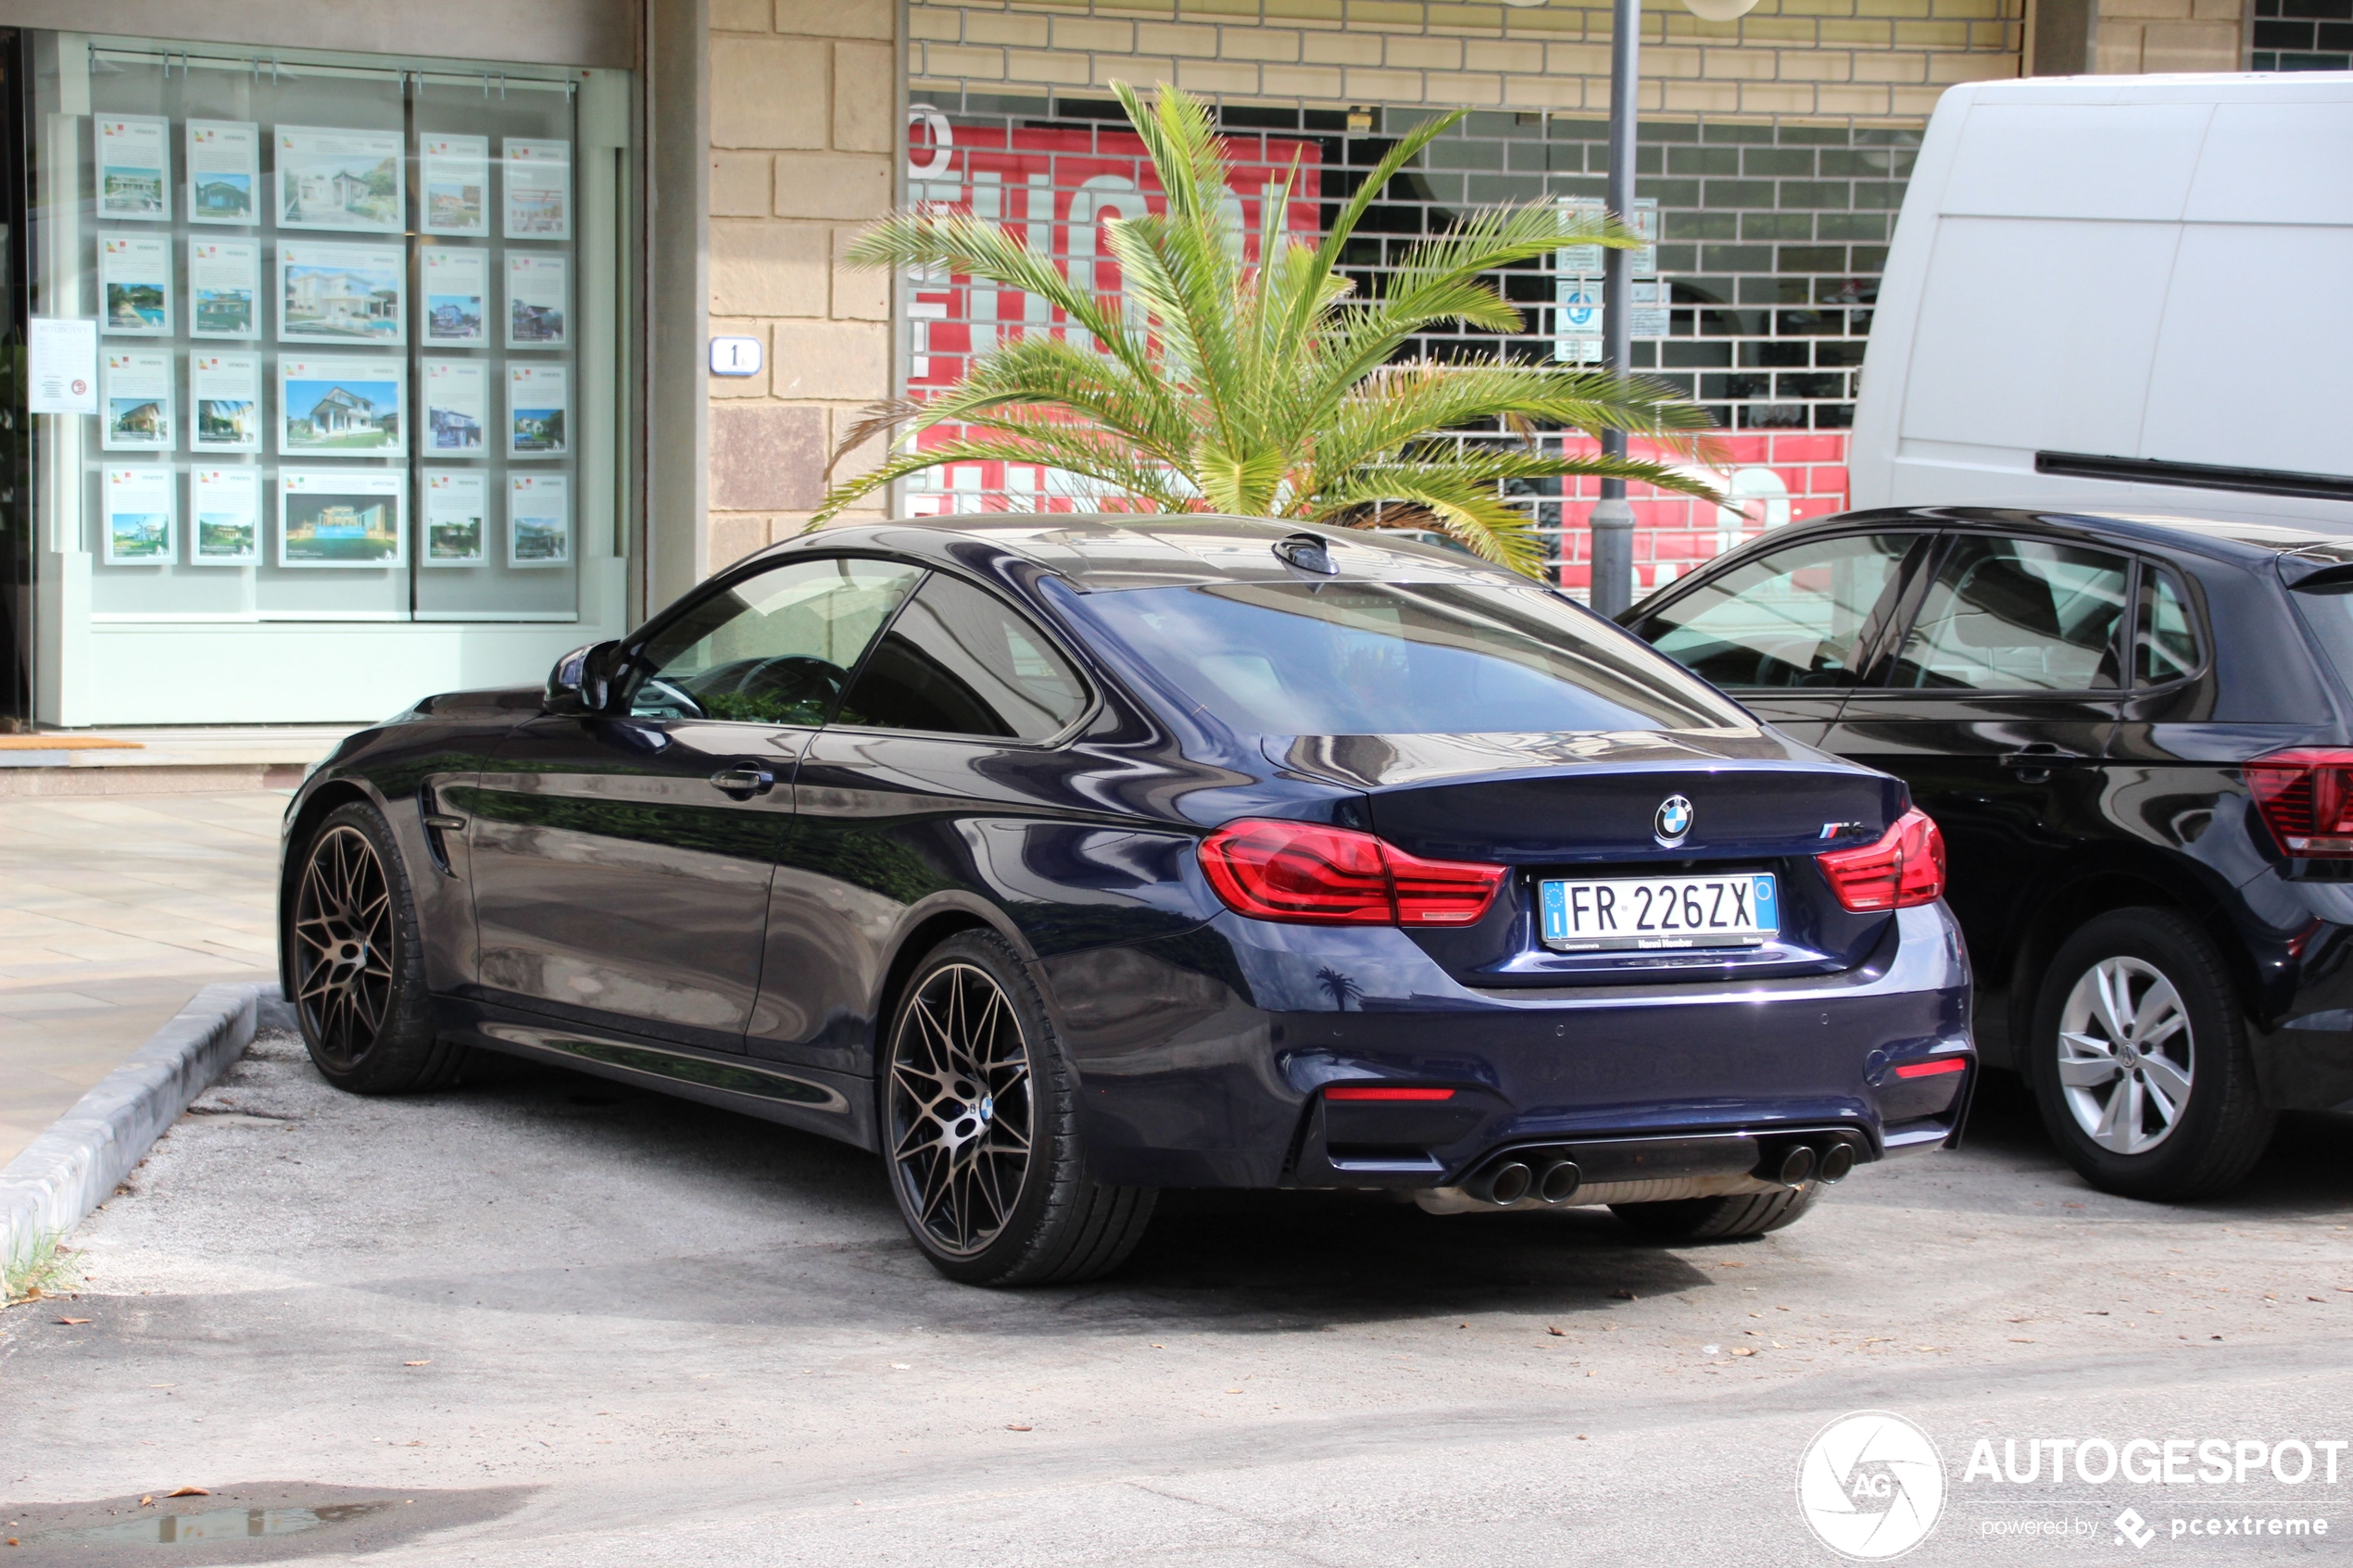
pixel 43 1270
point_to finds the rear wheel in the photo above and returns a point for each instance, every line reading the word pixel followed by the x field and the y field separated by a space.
pixel 2140 1063
pixel 981 1130
pixel 358 961
pixel 1718 1218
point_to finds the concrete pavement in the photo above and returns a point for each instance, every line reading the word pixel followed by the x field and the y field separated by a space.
pixel 114 910
pixel 586 1327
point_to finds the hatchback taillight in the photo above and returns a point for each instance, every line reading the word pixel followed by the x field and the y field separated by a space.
pixel 2305 797
pixel 1307 873
pixel 1905 868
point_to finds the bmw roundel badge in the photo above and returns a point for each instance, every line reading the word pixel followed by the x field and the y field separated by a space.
pixel 1673 822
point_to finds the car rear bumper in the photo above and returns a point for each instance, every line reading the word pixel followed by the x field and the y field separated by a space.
pixel 1205 1060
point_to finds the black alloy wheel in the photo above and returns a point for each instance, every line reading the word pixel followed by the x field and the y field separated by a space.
pixel 980 1129
pixel 358 961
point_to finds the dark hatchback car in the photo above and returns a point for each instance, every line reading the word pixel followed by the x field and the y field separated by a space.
pixel 2137 736
pixel 1061 861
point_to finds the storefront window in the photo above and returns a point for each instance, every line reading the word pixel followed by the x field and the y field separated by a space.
pixel 354 340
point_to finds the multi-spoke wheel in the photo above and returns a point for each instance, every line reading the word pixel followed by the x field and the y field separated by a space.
pixel 355 961
pixel 980 1129
pixel 960 1109
pixel 2124 1059
pixel 2140 1063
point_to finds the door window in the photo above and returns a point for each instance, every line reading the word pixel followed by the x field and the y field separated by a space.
pixel 2165 639
pixel 772 649
pixel 1789 619
pixel 2017 615
pixel 961 662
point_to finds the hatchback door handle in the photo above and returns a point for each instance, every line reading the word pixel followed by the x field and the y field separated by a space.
pixel 744 781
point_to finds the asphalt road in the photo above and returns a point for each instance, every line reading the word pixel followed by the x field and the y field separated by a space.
pixel 536 1320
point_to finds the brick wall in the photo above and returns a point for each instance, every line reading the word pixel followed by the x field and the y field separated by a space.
pixel 803 96
pixel 2168 35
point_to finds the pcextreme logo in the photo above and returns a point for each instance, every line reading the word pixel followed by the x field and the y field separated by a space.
pixel 1871 1485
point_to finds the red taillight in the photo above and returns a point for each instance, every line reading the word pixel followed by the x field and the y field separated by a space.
pixel 1384 1091
pixel 2305 797
pixel 1303 872
pixel 1933 1069
pixel 1905 868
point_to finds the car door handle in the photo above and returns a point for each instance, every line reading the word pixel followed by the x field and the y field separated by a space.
pixel 744 781
pixel 2034 764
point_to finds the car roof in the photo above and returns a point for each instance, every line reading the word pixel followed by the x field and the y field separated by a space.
pixel 1106 552
pixel 2245 542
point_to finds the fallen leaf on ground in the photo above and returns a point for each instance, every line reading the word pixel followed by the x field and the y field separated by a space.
pixel 1625 1296
pixel 1560 1334
pixel 427 1361
pixel 147 1501
pixel 1744 1351
pixel 1015 1426
pixel 189 1492
pixel 2015 1340
pixel 73 1319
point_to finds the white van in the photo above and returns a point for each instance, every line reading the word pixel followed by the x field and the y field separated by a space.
pixel 2121 293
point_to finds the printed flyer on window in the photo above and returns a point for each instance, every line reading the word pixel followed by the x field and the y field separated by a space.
pixel 457 395
pixel 538 410
pixel 224 287
pixel 224 172
pixel 226 504
pixel 341 518
pixel 337 179
pixel 538 189
pixel 536 299
pixel 226 390
pixel 455 500
pixel 136 390
pixel 455 174
pixel 342 408
pixel 135 169
pixel 456 290
pixel 538 520
pixel 134 284
pixel 138 517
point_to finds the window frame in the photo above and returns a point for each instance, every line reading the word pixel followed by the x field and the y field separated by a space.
pixel 1088 688
pixel 1915 599
pixel 2192 604
pixel 1896 606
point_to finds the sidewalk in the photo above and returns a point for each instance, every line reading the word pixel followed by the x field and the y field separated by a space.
pixel 113 912
pixel 162 761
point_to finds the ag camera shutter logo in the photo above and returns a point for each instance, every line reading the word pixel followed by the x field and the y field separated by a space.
pixel 1871 1485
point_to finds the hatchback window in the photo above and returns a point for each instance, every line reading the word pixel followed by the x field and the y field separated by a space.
pixel 2164 640
pixel 1371 658
pixel 1793 618
pixel 2017 615
pixel 959 661
pixel 776 649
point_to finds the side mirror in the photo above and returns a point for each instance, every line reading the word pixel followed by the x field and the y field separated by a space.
pixel 582 679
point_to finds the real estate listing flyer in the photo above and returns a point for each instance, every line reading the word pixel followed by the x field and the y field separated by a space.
pixel 539 411
pixel 536 289
pixel 456 175
pixel 456 523
pixel 538 178
pixel 135 388
pixel 342 408
pixel 456 408
pixel 226 507
pixel 226 391
pixel 342 293
pixel 341 518
pixel 330 178
pixel 538 520
pixel 456 294
pixel 224 170
pixel 134 285
pixel 225 288
pixel 138 512
pixel 135 167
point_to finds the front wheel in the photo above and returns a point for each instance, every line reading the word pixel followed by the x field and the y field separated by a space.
pixel 2139 1060
pixel 980 1128
pixel 359 963
pixel 1728 1218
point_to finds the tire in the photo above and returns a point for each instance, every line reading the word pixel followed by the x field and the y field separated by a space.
pixel 2188 1121
pixel 980 1129
pixel 359 963
pixel 1718 1218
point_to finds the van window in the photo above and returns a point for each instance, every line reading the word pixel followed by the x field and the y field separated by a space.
pixel 2017 615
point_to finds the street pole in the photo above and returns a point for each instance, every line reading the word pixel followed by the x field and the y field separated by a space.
pixel 1612 518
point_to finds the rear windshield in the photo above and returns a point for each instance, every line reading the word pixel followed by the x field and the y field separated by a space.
pixel 2328 610
pixel 1396 658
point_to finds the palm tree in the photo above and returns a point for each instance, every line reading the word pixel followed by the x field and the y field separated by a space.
pixel 1268 391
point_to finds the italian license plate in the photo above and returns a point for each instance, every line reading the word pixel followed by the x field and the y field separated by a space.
pixel 1641 913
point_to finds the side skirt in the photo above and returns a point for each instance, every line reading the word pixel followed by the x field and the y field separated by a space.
pixel 836 1105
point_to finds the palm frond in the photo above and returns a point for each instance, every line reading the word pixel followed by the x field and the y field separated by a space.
pixel 1464 506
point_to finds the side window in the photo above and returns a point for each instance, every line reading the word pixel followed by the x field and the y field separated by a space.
pixel 2017 615
pixel 2164 638
pixel 773 649
pixel 960 661
pixel 1791 618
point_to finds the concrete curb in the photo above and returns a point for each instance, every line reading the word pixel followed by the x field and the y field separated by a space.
pixel 70 1169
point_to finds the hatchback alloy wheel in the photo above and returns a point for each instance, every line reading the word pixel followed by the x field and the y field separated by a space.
pixel 2124 1055
pixel 961 1109
pixel 343 934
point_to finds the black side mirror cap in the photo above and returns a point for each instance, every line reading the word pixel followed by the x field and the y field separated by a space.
pixel 582 679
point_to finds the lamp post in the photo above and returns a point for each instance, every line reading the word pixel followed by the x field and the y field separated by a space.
pixel 1613 518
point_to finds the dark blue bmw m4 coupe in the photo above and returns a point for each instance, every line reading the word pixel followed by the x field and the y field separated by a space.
pixel 1062 859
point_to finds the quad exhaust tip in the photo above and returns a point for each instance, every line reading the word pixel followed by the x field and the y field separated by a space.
pixel 1505 1183
pixel 1837 1160
pixel 1796 1165
pixel 1558 1181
